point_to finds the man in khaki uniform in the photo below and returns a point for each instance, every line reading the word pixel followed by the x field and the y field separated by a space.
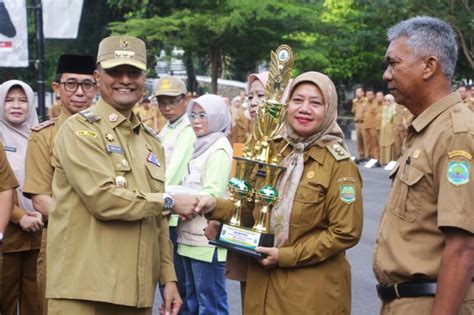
pixel 108 244
pixel 369 125
pixel 76 88
pixel 424 252
pixel 359 105
pixel 8 184
pixel 464 93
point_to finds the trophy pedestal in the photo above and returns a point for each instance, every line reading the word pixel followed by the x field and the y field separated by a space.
pixel 242 240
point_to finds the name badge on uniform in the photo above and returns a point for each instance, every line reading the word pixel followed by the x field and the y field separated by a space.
pixel 114 149
pixel 9 149
pixel 151 157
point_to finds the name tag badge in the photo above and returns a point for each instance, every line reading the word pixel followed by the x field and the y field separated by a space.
pixel 9 149
pixel 114 149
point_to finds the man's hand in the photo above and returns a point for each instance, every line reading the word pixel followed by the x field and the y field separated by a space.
pixel 171 300
pixel 188 206
pixel 210 231
pixel 31 221
pixel 271 261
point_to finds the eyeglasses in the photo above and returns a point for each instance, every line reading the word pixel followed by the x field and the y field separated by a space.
pixel 172 103
pixel 72 86
pixel 195 116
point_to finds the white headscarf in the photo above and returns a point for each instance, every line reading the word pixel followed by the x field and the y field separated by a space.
pixel 16 136
pixel 218 121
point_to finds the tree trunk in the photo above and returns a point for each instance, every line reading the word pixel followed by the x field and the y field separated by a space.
pixel 192 84
pixel 215 60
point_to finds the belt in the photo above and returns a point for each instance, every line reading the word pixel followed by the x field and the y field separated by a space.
pixel 406 289
pixel 359 121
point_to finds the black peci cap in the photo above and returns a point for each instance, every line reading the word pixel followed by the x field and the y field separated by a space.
pixel 76 64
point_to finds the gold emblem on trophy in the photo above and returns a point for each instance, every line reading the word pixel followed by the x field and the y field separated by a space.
pixel 260 156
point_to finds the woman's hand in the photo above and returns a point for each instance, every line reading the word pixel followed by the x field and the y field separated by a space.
pixel 210 231
pixel 188 206
pixel 31 222
pixel 271 261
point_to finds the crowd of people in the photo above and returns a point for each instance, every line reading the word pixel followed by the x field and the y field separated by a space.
pixel 111 198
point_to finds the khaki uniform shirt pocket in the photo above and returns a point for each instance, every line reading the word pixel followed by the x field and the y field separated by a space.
pixel 157 178
pixel 306 203
pixel 406 198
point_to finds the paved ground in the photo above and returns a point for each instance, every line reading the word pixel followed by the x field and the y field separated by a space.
pixel 364 297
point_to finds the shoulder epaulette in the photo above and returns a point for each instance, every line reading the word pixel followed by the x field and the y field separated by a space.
pixel 43 125
pixel 338 151
pixel 460 121
pixel 89 116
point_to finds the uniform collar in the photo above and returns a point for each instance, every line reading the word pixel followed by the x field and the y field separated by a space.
pixel 316 153
pixel 429 114
pixel 183 119
pixel 109 114
pixel 62 118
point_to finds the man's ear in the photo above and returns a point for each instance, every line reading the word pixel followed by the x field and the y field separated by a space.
pixel 55 85
pixel 431 66
pixel 97 76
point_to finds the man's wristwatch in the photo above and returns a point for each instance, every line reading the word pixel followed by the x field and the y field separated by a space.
pixel 168 201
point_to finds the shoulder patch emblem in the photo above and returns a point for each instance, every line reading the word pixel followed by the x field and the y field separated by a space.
pixel 347 193
pixel 86 133
pixel 338 152
pixel 89 116
pixel 43 125
pixel 458 172
pixel 462 153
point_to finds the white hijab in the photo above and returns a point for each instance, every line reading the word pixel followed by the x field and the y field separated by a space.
pixel 15 137
pixel 218 120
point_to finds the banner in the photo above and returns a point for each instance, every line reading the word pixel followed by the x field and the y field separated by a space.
pixel 13 34
pixel 61 18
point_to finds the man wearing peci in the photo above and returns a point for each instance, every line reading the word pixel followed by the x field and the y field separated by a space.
pixel 108 244
pixel 424 255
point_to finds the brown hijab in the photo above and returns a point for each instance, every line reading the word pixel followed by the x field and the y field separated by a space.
pixel 328 133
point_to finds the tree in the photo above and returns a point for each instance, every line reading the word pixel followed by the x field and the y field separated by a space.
pixel 242 30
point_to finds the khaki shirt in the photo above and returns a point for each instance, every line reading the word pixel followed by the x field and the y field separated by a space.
pixel 370 115
pixel 432 188
pixel 358 108
pixel 38 165
pixel 107 241
pixel 324 222
pixel 7 177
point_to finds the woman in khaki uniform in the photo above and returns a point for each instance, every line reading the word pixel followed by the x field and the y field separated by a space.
pixel 387 139
pixel 319 215
pixel 23 233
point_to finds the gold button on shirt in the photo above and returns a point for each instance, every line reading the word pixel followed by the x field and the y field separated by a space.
pixel 432 188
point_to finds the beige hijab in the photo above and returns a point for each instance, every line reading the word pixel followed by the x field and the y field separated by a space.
pixel 328 133
pixel 15 137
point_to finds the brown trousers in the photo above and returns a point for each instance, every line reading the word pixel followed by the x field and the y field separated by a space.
pixel 360 141
pixel 19 283
pixel 371 142
pixel 41 274
pixel 64 306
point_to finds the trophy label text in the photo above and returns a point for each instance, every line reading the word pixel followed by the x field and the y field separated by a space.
pixel 238 236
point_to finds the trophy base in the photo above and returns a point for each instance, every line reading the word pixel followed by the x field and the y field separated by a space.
pixel 242 240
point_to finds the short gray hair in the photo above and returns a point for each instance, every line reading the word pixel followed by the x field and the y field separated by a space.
pixel 429 36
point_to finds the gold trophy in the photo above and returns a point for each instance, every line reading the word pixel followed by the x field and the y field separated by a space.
pixel 259 155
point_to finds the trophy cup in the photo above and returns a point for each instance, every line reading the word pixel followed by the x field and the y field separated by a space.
pixel 259 156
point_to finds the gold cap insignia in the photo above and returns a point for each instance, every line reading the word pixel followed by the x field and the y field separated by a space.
pixel 165 84
pixel 124 43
